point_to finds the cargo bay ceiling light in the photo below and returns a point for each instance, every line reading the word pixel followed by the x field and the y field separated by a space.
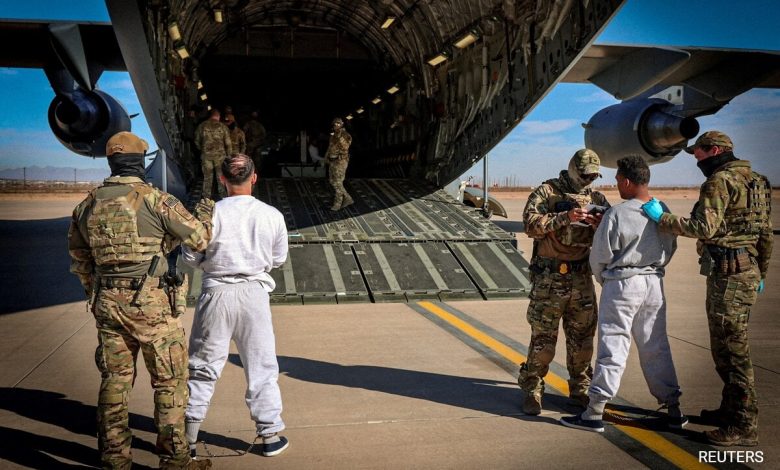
pixel 204 97
pixel 359 110
pixel 173 31
pixel 349 117
pixel 182 51
pixel 467 39
pixel 393 89
pixel 218 15
pixel 376 100
pixel 200 84
pixel 438 59
pixel 389 20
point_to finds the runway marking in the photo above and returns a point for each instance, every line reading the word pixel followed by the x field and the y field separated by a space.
pixel 649 439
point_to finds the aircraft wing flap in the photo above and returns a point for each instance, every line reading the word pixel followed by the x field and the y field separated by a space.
pixel 746 68
pixel 28 44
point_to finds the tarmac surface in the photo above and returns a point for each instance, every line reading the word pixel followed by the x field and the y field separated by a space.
pixel 419 385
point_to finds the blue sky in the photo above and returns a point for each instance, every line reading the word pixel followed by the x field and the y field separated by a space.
pixel 537 149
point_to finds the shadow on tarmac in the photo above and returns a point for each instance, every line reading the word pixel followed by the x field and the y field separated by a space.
pixel 488 396
pixel 35 265
pixel 54 408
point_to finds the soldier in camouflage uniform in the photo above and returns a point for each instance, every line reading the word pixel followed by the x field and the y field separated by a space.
pixel 337 157
pixel 115 236
pixel 255 135
pixel 732 222
pixel 237 137
pixel 562 229
pixel 213 141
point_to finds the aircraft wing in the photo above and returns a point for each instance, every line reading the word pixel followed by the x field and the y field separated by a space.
pixel 721 74
pixel 28 44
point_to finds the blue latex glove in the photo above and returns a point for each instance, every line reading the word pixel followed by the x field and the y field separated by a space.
pixel 760 287
pixel 653 209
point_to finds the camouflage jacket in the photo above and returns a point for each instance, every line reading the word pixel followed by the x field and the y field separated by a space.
pixel 121 225
pixel 554 235
pixel 213 140
pixel 338 147
pixel 238 140
pixel 254 133
pixel 733 211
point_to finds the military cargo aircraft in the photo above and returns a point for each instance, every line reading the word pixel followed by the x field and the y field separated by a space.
pixel 427 89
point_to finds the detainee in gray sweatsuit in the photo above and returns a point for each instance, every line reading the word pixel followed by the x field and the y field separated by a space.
pixel 628 258
pixel 249 238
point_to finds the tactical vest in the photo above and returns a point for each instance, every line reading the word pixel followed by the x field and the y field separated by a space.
pixel 112 228
pixel 560 201
pixel 749 214
pixel 213 143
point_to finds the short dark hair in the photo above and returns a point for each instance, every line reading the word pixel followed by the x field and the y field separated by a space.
pixel 237 168
pixel 635 169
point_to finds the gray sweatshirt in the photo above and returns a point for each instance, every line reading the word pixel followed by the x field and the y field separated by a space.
pixel 628 243
pixel 249 239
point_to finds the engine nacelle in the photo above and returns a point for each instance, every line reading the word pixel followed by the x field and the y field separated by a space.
pixel 638 127
pixel 85 122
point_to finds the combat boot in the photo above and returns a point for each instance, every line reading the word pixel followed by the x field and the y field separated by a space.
pixel 733 436
pixel 198 464
pixel 532 403
pixel 347 201
pixel 336 204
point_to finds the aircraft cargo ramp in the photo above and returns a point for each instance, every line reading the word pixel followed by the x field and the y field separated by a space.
pixel 400 241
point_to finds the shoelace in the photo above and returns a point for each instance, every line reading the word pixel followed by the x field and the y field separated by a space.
pixel 234 453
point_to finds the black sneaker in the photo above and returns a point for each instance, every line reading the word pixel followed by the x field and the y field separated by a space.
pixel 577 422
pixel 676 422
pixel 276 447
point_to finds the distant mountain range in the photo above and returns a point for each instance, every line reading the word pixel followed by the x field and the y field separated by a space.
pixel 55 173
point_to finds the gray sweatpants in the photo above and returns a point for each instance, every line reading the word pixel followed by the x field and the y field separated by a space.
pixel 240 312
pixel 634 307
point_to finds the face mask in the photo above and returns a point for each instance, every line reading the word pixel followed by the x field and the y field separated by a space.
pixel 127 164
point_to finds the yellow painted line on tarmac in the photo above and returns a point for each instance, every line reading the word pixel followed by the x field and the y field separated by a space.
pixel 649 439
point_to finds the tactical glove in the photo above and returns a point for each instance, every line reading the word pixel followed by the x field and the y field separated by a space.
pixel 653 209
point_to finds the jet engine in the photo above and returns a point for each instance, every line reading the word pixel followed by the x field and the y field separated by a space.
pixel 642 127
pixel 85 120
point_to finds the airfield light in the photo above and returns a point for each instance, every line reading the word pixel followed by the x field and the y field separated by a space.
pixel 349 117
pixel 200 84
pixel 393 89
pixel 437 59
pixel 359 110
pixel 182 51
pixel 467 40
pixel 376 100
pixel 203 97
pixel 389 20
pixel 173 31
pixel 218 15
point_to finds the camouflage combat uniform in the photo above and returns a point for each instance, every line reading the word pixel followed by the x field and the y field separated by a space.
pixel 238 140
pixel 213 140
pixel 732 222
pixel 114 234
pixel 562 285
pixel 254 132
pixel 337 158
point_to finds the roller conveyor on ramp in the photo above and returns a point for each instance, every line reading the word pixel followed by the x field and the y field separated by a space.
pixel 401 240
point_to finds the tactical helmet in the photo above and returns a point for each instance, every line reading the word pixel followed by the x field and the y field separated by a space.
pixel 338 122
pixel 125 142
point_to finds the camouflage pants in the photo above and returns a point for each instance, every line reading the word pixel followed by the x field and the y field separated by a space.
pixel 123 330
pixel 729 298
pixel 338 171
pixel 570 297
pixel 212 169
